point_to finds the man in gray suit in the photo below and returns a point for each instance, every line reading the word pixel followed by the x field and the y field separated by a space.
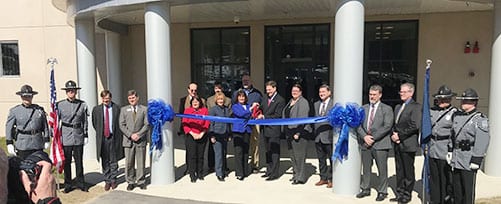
pixel 405 140
pixel 134 126
pixel 323 136
pixel 374 139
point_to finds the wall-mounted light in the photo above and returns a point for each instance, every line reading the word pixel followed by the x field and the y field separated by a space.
pixel 476 49
pixel 467 47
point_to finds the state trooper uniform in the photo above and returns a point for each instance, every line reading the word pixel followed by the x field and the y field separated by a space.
pixel 26 127
pixel 73 120
pixel 470 139
pixel 440 171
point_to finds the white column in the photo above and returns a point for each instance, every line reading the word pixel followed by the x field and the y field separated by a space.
pixel 158 70
pixel 87 76
pixel 348 75
pixel 113 66
pixel 492 164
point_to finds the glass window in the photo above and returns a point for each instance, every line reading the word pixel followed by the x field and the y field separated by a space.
pixel 219 54
pixel 298 54
pixel 390 57
pixel 10 58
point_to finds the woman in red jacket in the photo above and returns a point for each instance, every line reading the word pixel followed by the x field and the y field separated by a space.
pixel 195 130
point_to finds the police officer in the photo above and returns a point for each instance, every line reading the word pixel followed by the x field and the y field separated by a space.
pixel 73 117
pixel 26 128
pixel 470 139
pixel 440 171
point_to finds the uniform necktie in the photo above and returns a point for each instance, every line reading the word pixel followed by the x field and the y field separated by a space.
pixel 399 112
pixel 371 117
pixel 106 122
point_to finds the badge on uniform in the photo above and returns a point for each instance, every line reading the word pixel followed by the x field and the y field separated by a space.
pixel 129 109
pixel 448 117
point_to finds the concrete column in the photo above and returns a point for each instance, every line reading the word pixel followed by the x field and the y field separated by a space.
pixel 87 76
pixel 492 164
pixel 158 70
pixel 348 75
pixel 113 67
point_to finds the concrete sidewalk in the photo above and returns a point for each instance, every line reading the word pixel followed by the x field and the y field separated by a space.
pixel 255 189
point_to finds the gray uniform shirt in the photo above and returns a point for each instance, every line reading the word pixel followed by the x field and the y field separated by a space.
pixel 26 133
pixel 73 135
pixel 441 119
pixel 475 131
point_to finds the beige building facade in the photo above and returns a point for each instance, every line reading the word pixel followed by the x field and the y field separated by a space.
pixel 44 29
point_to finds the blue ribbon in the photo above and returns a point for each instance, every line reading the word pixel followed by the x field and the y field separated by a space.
pixel 342 119
pixel 158 114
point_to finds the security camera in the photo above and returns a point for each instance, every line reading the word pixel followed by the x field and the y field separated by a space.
pixel 236 20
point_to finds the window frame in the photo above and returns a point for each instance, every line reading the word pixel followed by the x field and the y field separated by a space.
pixel 2 75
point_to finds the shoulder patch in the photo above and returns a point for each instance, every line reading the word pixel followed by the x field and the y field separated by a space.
pixel 484 125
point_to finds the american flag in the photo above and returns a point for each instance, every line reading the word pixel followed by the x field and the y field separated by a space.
pixel 56 149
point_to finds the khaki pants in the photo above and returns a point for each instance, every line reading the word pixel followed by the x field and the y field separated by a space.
pixel 254 147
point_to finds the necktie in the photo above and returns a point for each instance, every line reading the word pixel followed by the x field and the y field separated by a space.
pixel 269 101
pixel 399 112
pixel 106 122
pixel 134 111
pixel 371 117
pixel 323 107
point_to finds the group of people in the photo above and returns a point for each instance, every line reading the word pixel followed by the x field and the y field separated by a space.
pixel 118 130
pixel 456 147
pixel 249 103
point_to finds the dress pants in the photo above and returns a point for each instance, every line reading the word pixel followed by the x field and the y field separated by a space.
pixel 324 153
pixel 254 146
pixel 440 181
pixel 135 156
pixel 241 145
pixel 381 157
pixel 272 156
pixel 297 151
pixel 25 153
pixel 404 164
pixel 195 150
pixel 75 151
pixel 464 186
pixel 210 155
pixel 220 150
pixel 109 162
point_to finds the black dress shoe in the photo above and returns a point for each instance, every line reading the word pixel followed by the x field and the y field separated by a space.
pixel 271 178
pixel 265 175
pixel 142 186
pixel 107 186
pixel 201 178
pixel 67 189
pixel 404 200
pixel 220 178
pixel 296 182
pixel 130 187
pixel 381 196
pixel 193 179
pixel 241 178
pixel 363 194
pixel 395 199
pixel 83 187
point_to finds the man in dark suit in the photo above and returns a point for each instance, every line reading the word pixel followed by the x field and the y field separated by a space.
pixel 323 136
pixel 374 139
pixel 108 138
pixel 272 105
pixel 134 125
pixel 405 142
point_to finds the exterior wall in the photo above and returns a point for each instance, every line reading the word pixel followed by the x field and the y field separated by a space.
pixel 42 32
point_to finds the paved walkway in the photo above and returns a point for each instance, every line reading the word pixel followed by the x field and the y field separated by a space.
pixel 255 189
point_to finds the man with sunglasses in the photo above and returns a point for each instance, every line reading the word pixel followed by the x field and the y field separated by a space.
pixel 73 114
pixel 26 128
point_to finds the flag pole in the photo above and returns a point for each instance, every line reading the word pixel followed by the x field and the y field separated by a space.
pixel 426 132
pixel 52 61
